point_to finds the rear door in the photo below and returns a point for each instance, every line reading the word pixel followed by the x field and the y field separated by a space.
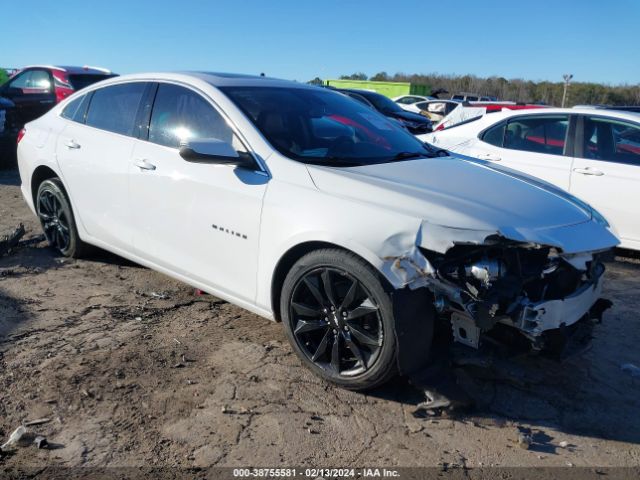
pixel 539 145
pixel 199 220
pixel 93 151
pixel 606 172
pixel 32 93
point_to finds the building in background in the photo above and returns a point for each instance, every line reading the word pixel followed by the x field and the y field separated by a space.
pixel 388 89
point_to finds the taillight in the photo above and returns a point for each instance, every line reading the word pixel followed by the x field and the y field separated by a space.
pixel 20 135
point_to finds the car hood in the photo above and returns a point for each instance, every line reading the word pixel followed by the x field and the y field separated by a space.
pixel 464 201
pixel 410 116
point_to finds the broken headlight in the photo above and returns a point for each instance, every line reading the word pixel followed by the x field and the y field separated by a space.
pixel 486 270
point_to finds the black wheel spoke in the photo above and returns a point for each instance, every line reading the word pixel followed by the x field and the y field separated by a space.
pixel 322 347
pixel 64 238
pixel 351 345
pixel 55 205
pixel 49 204
pixel 335 354
pixel 305 310
pixel 363 336
pixel 314 291
pixel 305 326
pixel 59 239
pixel 361 311
pixel 350 296
pixel 328 287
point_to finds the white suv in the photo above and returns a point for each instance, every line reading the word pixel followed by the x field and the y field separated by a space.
pixel 302 205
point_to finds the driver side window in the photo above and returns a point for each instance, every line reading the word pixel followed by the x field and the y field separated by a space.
pixel 32 81
pixel 180 114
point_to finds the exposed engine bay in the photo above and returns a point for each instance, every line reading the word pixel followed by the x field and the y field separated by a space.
pixel 490 292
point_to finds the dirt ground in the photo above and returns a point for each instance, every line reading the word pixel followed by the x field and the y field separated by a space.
pixel 133 368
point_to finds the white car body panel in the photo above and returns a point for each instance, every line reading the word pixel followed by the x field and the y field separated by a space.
pixel 613 189
pixel 190 220
pixel 615 193
pixel 101 161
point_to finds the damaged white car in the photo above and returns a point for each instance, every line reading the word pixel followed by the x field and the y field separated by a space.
pixel 301 205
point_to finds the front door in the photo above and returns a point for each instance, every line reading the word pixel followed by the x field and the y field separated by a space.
pixel 606 173
pixel 33 94
pixel 199 220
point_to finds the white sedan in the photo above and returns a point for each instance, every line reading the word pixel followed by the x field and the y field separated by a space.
pixel 592 153
pixel 302 205
pixel 406 101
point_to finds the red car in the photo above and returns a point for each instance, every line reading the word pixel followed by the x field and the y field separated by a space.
pixel 65 80
pixel 32 91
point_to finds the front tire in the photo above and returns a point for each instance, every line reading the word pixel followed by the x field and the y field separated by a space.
pixel 57 220
pixel 339 319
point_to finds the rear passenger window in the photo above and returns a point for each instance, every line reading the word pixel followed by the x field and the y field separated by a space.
pixel 495 135
pixel 77 109
pixel 540 134
pixel 115 108
pixel 72 108
pixel 180 114
pixel 611 140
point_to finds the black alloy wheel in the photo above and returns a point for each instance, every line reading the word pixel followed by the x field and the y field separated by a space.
pixel 339 319
pixel 57 220
pixel 54 220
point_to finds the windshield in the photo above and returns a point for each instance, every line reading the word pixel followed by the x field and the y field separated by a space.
pixel 314 125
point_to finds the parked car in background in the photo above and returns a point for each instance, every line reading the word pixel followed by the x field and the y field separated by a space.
pixel 336 220
pixel 434 110
pixel 415 123
pixel 472 97
pixel 406 100
pixel 34 90
pixel 592 153
pixel 468 111
pixel 8 133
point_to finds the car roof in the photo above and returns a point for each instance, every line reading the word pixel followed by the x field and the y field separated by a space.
pixel 74 70
pixel 219 79
pixel 364 93
pixel 440 100
pixel 632 116
pixel 213 79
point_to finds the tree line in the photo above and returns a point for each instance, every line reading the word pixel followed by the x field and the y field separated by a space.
pixel 517 89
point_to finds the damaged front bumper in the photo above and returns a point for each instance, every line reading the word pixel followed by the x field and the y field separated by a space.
pixel 536 318
pixel 509 291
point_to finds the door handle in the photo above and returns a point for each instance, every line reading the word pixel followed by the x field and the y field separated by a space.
pixel 143 164
pixel 588 171
pixel 490 156
pixel 72 145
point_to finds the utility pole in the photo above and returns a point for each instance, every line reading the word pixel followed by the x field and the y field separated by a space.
pixel 567 80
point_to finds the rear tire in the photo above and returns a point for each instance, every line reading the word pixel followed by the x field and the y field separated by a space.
pixel 338 317
pixel 57 220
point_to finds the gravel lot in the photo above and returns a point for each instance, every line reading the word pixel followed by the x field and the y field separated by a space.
pixel 133 368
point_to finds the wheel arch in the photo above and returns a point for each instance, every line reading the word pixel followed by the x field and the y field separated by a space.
pixel 40 174
pixel 296 252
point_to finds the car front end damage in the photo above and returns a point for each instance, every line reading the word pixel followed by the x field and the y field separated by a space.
pixel 504 290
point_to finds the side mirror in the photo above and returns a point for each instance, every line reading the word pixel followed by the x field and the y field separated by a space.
pixel 212 150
